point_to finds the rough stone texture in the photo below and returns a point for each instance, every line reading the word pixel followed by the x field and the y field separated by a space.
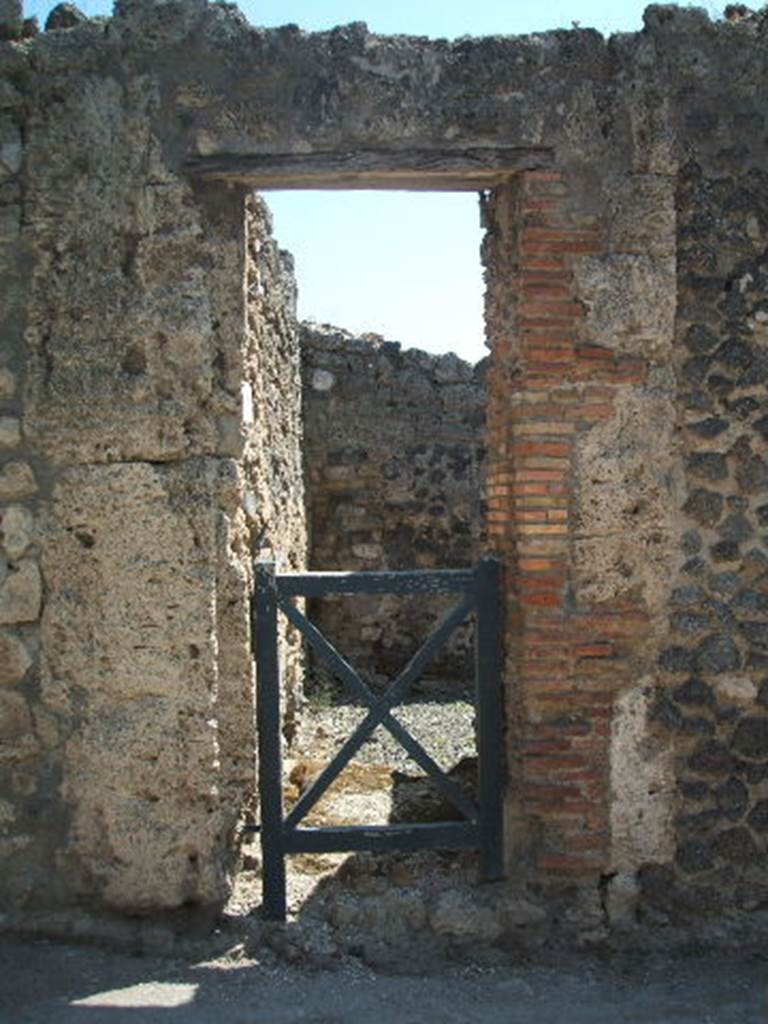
pixel 458 916
pixel 14 658
pixel 642 789
pixel 141 751
pixel 624 515
pixel 16 530
pixel 10 19
pixel 274 498
pixel 16 481
pixel 20 592
pixel 626 312
pixel 128 336
pixel 64 16
pixel 395 458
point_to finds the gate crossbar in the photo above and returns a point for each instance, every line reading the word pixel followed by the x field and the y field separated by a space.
pixel 378 710
pixel 481 828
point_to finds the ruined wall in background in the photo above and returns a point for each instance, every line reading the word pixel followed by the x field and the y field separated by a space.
pixel 394 459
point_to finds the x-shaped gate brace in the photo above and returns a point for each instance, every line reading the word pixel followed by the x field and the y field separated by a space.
pixel 481 828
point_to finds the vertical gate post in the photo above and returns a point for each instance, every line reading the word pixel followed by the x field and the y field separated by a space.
pixel 490 712
pixel 270 753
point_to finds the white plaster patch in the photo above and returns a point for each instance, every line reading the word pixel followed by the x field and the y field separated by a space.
pixel 642 786
pixel 246 398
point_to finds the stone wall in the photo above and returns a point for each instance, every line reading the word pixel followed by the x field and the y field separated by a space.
pixel 394 460
pixel 274 499
pixel 125 459
pixel 627 234
pixel 713 668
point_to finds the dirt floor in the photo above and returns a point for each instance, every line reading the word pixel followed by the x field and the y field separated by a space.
pixel 46 983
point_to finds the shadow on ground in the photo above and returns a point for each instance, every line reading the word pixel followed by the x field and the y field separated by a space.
pixel 45 982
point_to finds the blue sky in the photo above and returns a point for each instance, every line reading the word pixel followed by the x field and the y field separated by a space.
pixel 405 265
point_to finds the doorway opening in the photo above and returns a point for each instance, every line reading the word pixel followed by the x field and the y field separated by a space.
pixel 388 434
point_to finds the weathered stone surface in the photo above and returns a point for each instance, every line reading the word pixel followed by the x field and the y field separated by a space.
pixel 758 817
pixel 713 426
pixel 7 383
pixel 704 506
pixel 751 738
pixel 694 855
pixel 16 481
pixel 732 798
pixel 642 785
pixel 707 465
pixel 694 691
pixel 736 527
pixel 756 632
pixel 629 301
pixel 21 593
pixel 459 917
pixel 736 688
pixel 10 432
pixel 711 758
pixel 621 899
pixel 274 499
pixel 676 659
pixel 11 17
pixel 14 658
pixel 139 547
pixel 518 912
pixel 15 719
pixel 700 338
pixel 16 527
pixel 736 844
pixel 154 370
pixel 725 551
pixel 64 16
pixel 154 345
pixel 717 653
pixel 625 504
pixel 390 913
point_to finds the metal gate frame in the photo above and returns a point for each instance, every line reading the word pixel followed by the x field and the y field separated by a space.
pixel 481 829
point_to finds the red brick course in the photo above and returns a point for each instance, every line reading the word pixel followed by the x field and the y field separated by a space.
pixel 548 385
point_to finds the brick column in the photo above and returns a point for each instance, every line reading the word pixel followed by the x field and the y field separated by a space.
pixel 565 660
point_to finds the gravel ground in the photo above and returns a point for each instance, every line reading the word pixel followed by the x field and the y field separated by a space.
pixel 41 983
pixel 444 728
pixel 364 792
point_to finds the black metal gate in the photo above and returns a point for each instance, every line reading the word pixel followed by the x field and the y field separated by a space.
pixel 479 594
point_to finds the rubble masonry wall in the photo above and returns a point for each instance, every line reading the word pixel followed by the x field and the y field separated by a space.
pixel 625 264
pixel 394 456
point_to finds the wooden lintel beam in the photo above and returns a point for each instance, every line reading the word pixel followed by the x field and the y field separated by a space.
pixel 469 170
